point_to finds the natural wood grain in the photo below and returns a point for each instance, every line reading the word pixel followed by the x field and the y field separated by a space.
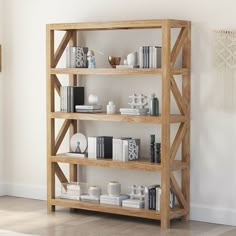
pixel 116 117
pixel 140 165
pixel 60 175
pixel 165 131
pixel 57 85
pixel 61 48
pixel 177 212
pixel 143 164
pixel 178 97
pixel 117 25
pixel 177 140
pixel 50 122
pixel 186 90
pixel 168 82
pixel 104 71
pixel 179 195
pixel 61 134
pixel 73 170
pixel 178 45
pixel 112 71
pixel 107 208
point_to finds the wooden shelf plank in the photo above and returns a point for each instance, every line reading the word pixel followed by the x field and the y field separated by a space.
pixel 113 71
pixel 116 117
pixel 142 213
pixel 135 165
pixel 118 25
pixel 105 71
pixel 144 164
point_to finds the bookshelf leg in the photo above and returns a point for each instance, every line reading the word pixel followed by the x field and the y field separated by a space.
pixel 165 224
pixel 51 208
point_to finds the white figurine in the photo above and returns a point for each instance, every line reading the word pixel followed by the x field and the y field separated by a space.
pixel 91 59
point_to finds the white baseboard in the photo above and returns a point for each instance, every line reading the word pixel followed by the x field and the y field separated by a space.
pixel 197 212
pixel 26 191
pixel 38 192
pixel 2 189
pixel 215 215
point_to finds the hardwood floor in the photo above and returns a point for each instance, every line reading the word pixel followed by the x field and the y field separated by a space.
pixel 31 217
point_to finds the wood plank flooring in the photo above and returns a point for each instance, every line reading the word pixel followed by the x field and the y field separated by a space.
pixel 31 217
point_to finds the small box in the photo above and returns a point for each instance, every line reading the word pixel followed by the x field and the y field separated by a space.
pixel 73 190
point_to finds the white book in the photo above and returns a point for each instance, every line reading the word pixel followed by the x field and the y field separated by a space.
pixel 158 199
pixel 89 198
pixel 150 57
pixel 125 150
pixel 133 203
pixel 91 148
pixel 133 114
pixel 114 151
pixel 88 107
pixel 133 110
pixel 141 57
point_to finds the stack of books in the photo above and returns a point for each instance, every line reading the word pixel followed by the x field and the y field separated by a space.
pixel 133 203
pixel 134 111
pixel 125 149
pixel 150 57
pixel 113 200
pixel 88 108
pixel 100 147
pixel 70 97
pixel 90 198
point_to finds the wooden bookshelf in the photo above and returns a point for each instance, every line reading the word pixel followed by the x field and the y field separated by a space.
pixel 169 149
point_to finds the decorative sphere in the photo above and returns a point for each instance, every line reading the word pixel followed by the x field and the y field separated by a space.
pixel 93 99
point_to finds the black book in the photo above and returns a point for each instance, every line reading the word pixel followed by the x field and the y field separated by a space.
pixel 76 96
pixel 107 146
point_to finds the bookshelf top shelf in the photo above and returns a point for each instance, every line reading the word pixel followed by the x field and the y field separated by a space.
pixel 118 25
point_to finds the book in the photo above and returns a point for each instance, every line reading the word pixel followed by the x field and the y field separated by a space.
pixel 89 198
pixel 113 200
pixel 88 111
pixel 133 109
pixel 88 107
pixel 70 97
pixel 133 203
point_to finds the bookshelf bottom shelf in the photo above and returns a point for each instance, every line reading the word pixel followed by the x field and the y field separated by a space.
pixel 142 213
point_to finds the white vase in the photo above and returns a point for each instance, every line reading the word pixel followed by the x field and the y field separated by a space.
pixel 111 108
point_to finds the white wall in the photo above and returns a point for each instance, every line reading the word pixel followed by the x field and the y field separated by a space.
pixel 1 109
pixel 213 175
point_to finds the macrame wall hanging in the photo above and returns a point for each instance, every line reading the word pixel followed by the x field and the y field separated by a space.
pixel 225 62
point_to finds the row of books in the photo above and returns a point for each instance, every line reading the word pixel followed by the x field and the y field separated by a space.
pixel 119 149
pixel 100 147
pixel 152 198
pixel 126 149
pixel 150 57
pixel 70 97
